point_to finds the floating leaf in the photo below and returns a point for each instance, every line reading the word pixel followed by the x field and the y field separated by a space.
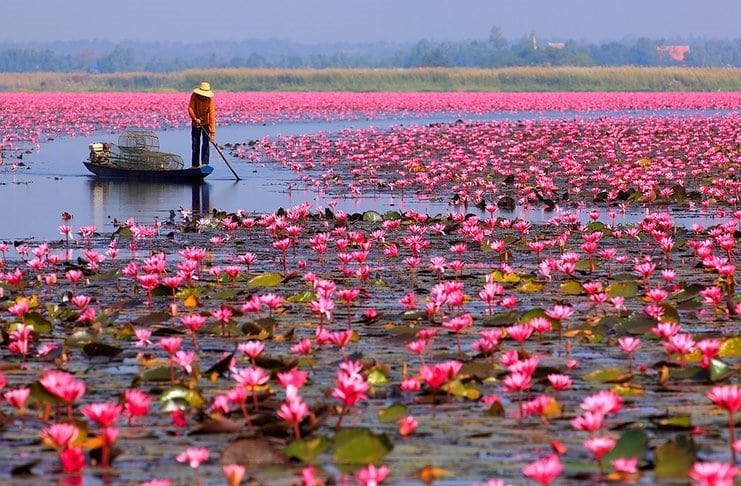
pixel 633 443
pixel 94 349
pixel 266 280
pixel 302 297
pixel 678 422
pixel 500 277
pixel 358 445
pixel 253 453
pixel 225 294
pixel 306 450
pixel 500 319
pixel 372 216
pixel 414 315
pixel 622 289
pixel 160 373
pixel 609 375
pixel 393 413
pixel 670 313
pixel 572 287
pixel 178 392
pixel 40 325
pixel 191 301
pixel 629 389
pixel 80 338
pixel 377 378
pixel 260 328
pixel 675 457
pixel 730 348
pixel 532 286
pixel 719 370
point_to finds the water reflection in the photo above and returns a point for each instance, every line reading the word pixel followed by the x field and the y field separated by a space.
pixel 131 197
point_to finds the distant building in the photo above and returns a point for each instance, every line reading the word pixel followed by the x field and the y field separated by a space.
pixel 556 45
pixel 677 53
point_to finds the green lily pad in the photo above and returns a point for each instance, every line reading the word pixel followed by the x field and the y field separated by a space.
pixel 225 294
pixel 500 319
pixel 372 217
pixel 160 373
pixel 499 277
pixel 676 422
pixel 192 397
pixel 266 280
pixel 40 324
pixel 719 370
pixel 306 450
pixel 393 413
pixel 730 348
pixel 302 297
pixel 609 375
pixel 377 378
pixel 622 289
pixel 572 287
pixel 670 313
pixel 633 443
pixel 675 457
pixel 358 445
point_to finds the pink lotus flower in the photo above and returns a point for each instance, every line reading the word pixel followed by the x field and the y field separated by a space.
pixel 72 459
pixel 407 426
pixel 713 473
pixel 544 471
pixel 17 398
pixel 371 475
pixel 103 414
pixel 136 404
pixel 728 397
pixel 604 402
pixel 193 456
pixel 62 435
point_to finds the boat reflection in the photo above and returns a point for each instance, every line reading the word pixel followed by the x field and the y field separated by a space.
pixel 122 199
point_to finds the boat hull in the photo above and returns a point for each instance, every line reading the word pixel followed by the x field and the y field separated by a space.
pixel 186 174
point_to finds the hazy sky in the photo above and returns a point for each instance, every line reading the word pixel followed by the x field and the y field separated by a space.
pixel 318 21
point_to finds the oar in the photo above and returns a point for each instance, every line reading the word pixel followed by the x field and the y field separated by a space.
pixel 206 134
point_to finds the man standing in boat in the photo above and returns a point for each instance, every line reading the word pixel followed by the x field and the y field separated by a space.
pixel 203 115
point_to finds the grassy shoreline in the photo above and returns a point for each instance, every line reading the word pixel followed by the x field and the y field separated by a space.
pixel 420 79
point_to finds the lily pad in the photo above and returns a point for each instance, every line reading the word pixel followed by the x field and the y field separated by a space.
pixel 730 348
pixel 393 413
pixel 622 289
pixel 372 216
pixel 302 297
pixel 572 287
pixel 719 370
pixel 675 457
pixel 266 280
pixel 609 375
pixel 633 443
pixel 358 445
pixel 306 450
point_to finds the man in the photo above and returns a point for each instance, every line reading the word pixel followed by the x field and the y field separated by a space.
pixel 203 128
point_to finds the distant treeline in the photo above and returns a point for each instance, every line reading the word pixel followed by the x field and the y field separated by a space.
pixel 417 79
pixel 494 52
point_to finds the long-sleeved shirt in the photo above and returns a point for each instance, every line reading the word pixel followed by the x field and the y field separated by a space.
pixel 202 108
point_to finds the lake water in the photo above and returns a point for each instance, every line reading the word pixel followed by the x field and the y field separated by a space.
pixel 54 180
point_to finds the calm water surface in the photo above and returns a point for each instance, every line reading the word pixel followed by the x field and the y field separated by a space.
pixel 55 180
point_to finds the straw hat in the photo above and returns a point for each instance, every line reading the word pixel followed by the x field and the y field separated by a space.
pixel 204 90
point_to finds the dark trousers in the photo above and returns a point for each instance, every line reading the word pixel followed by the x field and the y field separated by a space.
pixel 199 137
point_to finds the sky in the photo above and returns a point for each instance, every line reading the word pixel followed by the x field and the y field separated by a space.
pixel 327 21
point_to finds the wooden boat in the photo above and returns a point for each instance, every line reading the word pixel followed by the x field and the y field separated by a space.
pixel 184 174
pixel 137 156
